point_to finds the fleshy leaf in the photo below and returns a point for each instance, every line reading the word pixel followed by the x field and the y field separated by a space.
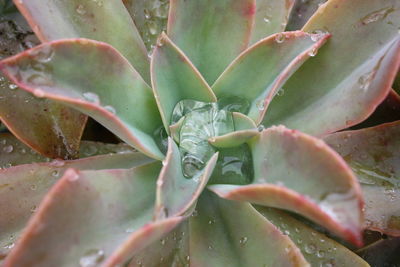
pixel 301 13
pixel 271 17
pixel 175 129
pixel 228 233
pixel 384 252
pixel 245 128
pixel 13 152
pixel 115 95
pixel 78 220
pixel 211 33
pixel 105 21
pixel 142 238
pixel 374 155
pixel 387 111
pixel 176 193
pixel 27 116
pixel 318 249
pixel 172 250
pixel 23 187
pixel 328 84
pixel 300 173
pixel 174 78
pixel 260 71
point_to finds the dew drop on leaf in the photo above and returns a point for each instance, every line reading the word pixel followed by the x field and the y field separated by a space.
pixel 91 97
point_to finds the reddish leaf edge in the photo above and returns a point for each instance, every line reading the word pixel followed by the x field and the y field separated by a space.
pixel 286 73
pixel 295 200
pixel 93 106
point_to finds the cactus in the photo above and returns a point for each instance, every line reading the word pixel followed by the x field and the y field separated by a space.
pixel 233 151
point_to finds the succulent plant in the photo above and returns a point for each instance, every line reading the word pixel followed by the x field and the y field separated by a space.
pixel 233 123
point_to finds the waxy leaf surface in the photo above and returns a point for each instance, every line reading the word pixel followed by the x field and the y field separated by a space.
pixel 318 249
pixel 176 193
pixel 302 174
pixel 229 233
pixel 109 89
pixel 23 187
pixel 94 221
pixel 105 21
pixel 211 33
pixel 334 90
pixel 374 155
pixel 174 78
pixel 260 71
pixel 271 17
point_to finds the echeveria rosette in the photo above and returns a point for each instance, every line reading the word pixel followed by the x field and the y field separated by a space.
pixel 133 200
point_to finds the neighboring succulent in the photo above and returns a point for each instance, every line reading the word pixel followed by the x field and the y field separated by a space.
pixel 213 174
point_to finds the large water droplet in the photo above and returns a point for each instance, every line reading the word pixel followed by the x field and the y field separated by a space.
pixel 81 10
pixel 310 248
pixel 280 38
pixel 243 241
pixel 92 258
pixel 8 149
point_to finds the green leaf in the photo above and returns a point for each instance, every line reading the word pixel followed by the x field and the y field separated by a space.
pixel 211 33
pixel 374 155
pixel 245 128
pixel 228 233
pixel 13 152
pixel 23 187
pixel 174 78
pixel 105 21
pixel 343 90
pixel 300 173
pixel 94 222
pixel 260 71
pixel 176 193
pixel 50 128
pixel 142 238
pixel 115 95
pixel 384 252
pixel 301 13
pixel 27 116
pixel 318 249
pixel 271 17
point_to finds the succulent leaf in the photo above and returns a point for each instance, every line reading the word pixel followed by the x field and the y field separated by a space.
pixel 297 172
pixel 52 20
pixel 328 84
pixel 141 239
pixel 229 233
pixel 211 33
pixel 116 96
pixel 27 116
pixel 78 220
pixel 318 249
pixel 271 17
pixel 176 193
pixel 23 187
pixel 374 155
pixel 174 78
pixel 260 71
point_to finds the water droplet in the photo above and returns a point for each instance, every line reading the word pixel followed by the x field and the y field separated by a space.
pixel 9 246
pixel 366 80
pixel 318 35
pixel 92 258
pixel 280 92
pixel 55 173
pixel 261 128
pixel 260 104
pixel 243 241
pixel 12 86
pixel 33 209
pixel 162 241
pixel 110 109
pixel 8 149
pixel 80 9
pixel 33 187
pixel 91 97
pixel 266 20
pixel 191 165
pixel 39 93
pixel 313 52
pixel 310 248
pixel 280 38
pixel 320 253
pixel 57 163
pixel 377 15
pixel 286 232
pixel 297 230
